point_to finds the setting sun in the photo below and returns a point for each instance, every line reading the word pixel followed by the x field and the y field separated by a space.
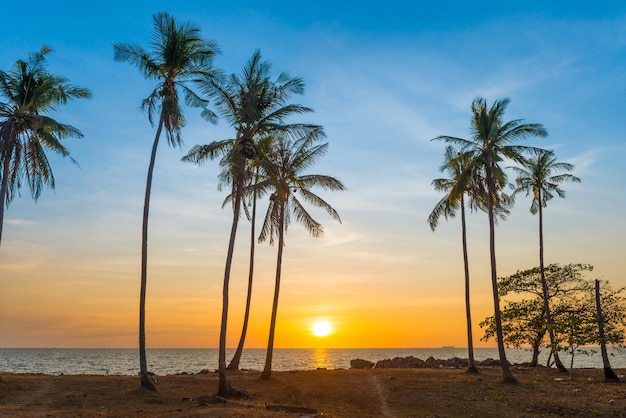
pixel 321 329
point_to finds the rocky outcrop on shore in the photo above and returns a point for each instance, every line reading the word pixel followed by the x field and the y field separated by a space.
pixel 411 362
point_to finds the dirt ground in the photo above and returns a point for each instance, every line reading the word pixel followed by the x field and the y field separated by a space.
pixel 322 393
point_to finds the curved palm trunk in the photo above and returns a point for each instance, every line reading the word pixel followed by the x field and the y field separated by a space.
pixel 224 389
pixel 267 370
pixel 504 364
pixel 609 374
pixel 143 364
pixel 471 366
pixel 234 363
pixel 6 168
pixel 544 286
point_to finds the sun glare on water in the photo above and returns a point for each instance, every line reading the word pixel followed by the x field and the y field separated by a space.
pixel 321 329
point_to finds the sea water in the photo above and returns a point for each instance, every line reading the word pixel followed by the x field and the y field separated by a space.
pixel 125 361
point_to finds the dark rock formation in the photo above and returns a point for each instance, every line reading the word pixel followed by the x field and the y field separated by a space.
pixel 361 364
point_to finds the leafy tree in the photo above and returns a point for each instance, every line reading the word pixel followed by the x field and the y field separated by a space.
pixel 291 189
pixel 255 106
pixel 524 321
pixel 576 324
pixel 30 93
pixel 493 139
pixel 523 324
pixel 572 303
pixel 541 175
pixel 178 56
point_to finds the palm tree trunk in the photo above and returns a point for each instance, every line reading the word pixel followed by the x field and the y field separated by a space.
pixel 471 366
pixel 609 374
pixel 234 363
pixel 267 370
pixel 143 364
pixel 6 169
pixel 504 364
pixel 544 286
pixel 224 389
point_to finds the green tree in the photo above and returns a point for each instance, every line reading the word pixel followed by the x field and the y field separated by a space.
pixel 179 56
pixel 523 324
pixel 493 139
pixel 30 93
pixel 541 175
pixel 284 170
pixel 255 106
pixel 576 321
pixel 524 321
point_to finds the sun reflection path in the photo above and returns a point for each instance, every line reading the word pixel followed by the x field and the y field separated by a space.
pixel 320 358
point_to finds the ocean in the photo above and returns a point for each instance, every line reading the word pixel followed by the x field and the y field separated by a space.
pixel 125 361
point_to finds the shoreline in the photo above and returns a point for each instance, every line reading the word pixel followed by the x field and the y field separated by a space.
pixel 172 361
pixel 330 393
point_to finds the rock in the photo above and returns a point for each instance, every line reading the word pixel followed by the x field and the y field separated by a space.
pixel 361 364
pixel 409 362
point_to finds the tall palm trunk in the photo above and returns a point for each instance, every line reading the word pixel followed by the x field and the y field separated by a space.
pixel 609 374
pixel 504 364
pixel 143 364
pixel 471 366
pixel 544 286
pixel 4 187
pixel 224 389
pixel 234 363
pixel 267 370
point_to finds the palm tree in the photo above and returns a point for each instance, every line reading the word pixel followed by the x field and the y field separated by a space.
pixel 255 106
pixel 178 56
pixel 26 131
pixel 291 189
pixel 198 155
pixel 455 164
pixel 493 140
pixel 541 175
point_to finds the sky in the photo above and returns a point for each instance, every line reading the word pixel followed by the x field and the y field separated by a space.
pixel 384 79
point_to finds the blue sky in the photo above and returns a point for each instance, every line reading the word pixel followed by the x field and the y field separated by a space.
pixel 383 79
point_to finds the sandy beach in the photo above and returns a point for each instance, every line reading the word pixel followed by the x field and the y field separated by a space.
pixel 322 393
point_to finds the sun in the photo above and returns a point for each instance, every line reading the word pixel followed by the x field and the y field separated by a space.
pixel 321 329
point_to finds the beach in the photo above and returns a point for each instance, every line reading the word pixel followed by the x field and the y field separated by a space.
pixel 540 392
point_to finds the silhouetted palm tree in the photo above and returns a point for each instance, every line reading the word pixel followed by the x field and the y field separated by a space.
pixel 455 164
pixel 283 168
pixel 26 131
pixel 255 106
pixel 198 155
pixel 493 140
pixel 179 55
pixel 541 175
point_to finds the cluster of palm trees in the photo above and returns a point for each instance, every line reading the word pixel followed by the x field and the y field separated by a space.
pixel 265 156
pixel 475 169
